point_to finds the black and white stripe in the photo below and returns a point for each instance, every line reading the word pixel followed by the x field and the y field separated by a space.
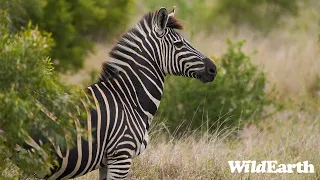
pixel 128 95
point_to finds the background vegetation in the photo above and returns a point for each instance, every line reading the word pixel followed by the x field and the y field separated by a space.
pixel 74 25
pixel 225 120
pixel 262 15
pixel 32 97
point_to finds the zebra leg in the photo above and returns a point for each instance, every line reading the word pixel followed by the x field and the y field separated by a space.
pixel 103 173
pixel 116 169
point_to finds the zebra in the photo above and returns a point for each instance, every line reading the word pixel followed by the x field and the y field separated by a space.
pixel 128 93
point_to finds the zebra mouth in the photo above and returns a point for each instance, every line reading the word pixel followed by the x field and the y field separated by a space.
pixel 204 78
pixel 209 73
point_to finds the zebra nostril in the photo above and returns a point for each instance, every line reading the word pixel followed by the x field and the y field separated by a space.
pixel 210 67
pixel 212 71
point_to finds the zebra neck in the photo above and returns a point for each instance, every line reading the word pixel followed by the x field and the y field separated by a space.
pixel 140 82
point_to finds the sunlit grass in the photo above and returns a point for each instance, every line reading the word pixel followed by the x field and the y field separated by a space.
pixel 288 137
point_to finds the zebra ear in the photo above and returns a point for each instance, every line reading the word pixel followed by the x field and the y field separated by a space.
pixel 161 20
pixel 173 12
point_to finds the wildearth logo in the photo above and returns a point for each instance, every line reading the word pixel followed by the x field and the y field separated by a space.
pixel 270 167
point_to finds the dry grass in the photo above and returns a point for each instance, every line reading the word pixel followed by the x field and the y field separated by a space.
pixel 295 138
pixel 289 137
pixel 206 158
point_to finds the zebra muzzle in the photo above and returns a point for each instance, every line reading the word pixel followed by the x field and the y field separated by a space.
pixel 209 73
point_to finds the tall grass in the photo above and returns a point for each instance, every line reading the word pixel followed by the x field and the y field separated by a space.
pixel 289 137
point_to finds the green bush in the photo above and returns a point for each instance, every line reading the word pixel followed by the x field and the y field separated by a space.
pixel 74 24
pixel 32 99
pixel 237 95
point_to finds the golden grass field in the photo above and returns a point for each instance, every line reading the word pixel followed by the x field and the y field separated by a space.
pixel 289 137
pixel 291 58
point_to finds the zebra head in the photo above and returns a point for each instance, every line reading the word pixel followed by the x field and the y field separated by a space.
pixel 178 56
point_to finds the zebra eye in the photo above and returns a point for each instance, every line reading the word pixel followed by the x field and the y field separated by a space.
pixel 178 44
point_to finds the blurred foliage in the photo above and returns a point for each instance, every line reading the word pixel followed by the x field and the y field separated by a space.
pixel 33 101
pixel 262 14
pixel 209 14
pixel 74 24
pixel 236 96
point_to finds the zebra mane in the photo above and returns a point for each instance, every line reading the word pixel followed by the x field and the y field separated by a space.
pixel 108 70
pixel 174 23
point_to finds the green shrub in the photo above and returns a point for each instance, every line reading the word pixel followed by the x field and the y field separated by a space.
pixel 73 24
pixel 237 95
pixel 32 99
